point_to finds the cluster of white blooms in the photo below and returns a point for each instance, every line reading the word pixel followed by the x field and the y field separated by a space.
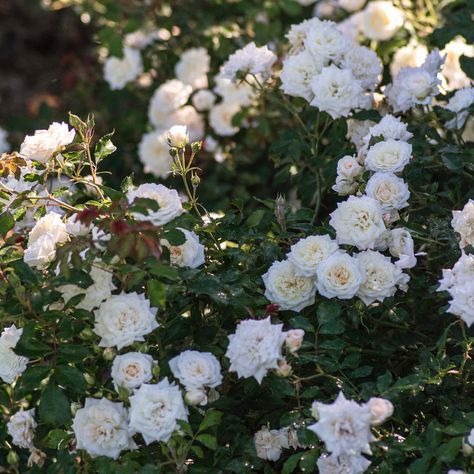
pixel 270 443
pixel 249 60
pixel 196 371
pixel 168 201
pixel 48 232
pixel 102 428
pixel 44 144
pixel 344 427
pixel 21 427
pixel 123 319
pixel 459 281
pixel 415 85
pixel 189 254
pixel 328 70
pixel 120 71
pixel 11 364
pixel 256 347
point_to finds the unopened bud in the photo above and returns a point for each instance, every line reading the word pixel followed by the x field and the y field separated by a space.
pixel 284 369
pixel 178 136
pixel 12 457
pixel 467 449
pixel 195 396
pixel 196 146
pixel 109 353
pixel 195 180
pixel 294 339
pixel 173 152
pixel 280 211
pixel 36 457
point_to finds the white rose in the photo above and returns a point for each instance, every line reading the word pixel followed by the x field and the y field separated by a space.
pixel 220 118
pixel 350 27
pixel 140 39
pixel 294 339
pixel 411 55
pixel 351 5
pixel 456 78
pixel 101 428
pixel 298 33
pixel 325 43
pixel 10 336
pixel 349 168
pixel 463 223
pixel 344 186
pixel 241 94
pixel 390 155
pixel 119 71
pixel 155 409
pixel 461 273
pixel 344 427
pixel 250 59
pixel 381 277
pixel 297 72
pixel 11 365
pixel 168 201
pixel 269 444
pixel 401 246
pixel 462 303
pixel 131 370
pixel 380 20
pixel 196 396
pixel 365 65
pixel 45 143
pixel 308 253
pixel 123 319
pixel 255 348
pixel 203 100
pixel 41 253
pixel 178 136
pixel 380 409
pixel 285 288
pixel 167 98
pixel 50 224
pixel 193 66
pixel 189 254
pixel 353 464
pixel 389 127
pixel 336 91
pixel 358 221
pixel 75 227
pixel 339 276
pixel 196 369
pixel 461 100
pixel 154 153
pixel 390 191
pixel 189 117
pixel 21 427
pixel 100 290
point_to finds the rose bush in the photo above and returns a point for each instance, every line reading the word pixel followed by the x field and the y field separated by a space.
pixel 326 331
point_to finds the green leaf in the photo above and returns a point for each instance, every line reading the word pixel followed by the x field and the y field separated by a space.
pixel 255 218
pixel 71 378
pixel 467 65
pixel 104 147
pixel 291 463
pixel 7 222
pixel 54 406
pixel 58 439
pixel 197 450
pixel 308 460
pixel 207 440
pixel 157 293
pixel 212 418
pixel 29 346
pixel 31 379
pixel 328 311
pixel 175 237
pixel 112 193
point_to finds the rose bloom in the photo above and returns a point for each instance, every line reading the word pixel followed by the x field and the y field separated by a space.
pixel 336 91
pixel 101 428
pixel 100 290
pixel 286 288
pixel 350 464
pixel 178 136
pixel 21 427
pixel 119 71
pixel 462 302
pixel 131 370
pixel 189 254
pixel 297 72
pixel 358 221
pixel 51 224
pixel 411 55
pixel 41 253
pixel 193 66
pixel 390 191
pixel 344 426
pixel 170 96
pixel 203 100
pixel 463 223
pixel 168 201
pixel 357 130
pixel 154 153
pixel 461 273
pixel 390 155
pixel 380 409
pixel 45 143
pixel 455 76
pixel 196 369
pixel 269 443
pixel 325 43
pixel 298 33
pixel 241 94
pixel 308 253
pixel 349 168
pixel 458 104
pixel 123 319
pixel 155 409
pixel 380 20
pixel 220 118
pixel 365 65
pixel 401 246
pixel 339 276
pixel 255 348
pixel 351 5
pixel 389 127
pixel 382 277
